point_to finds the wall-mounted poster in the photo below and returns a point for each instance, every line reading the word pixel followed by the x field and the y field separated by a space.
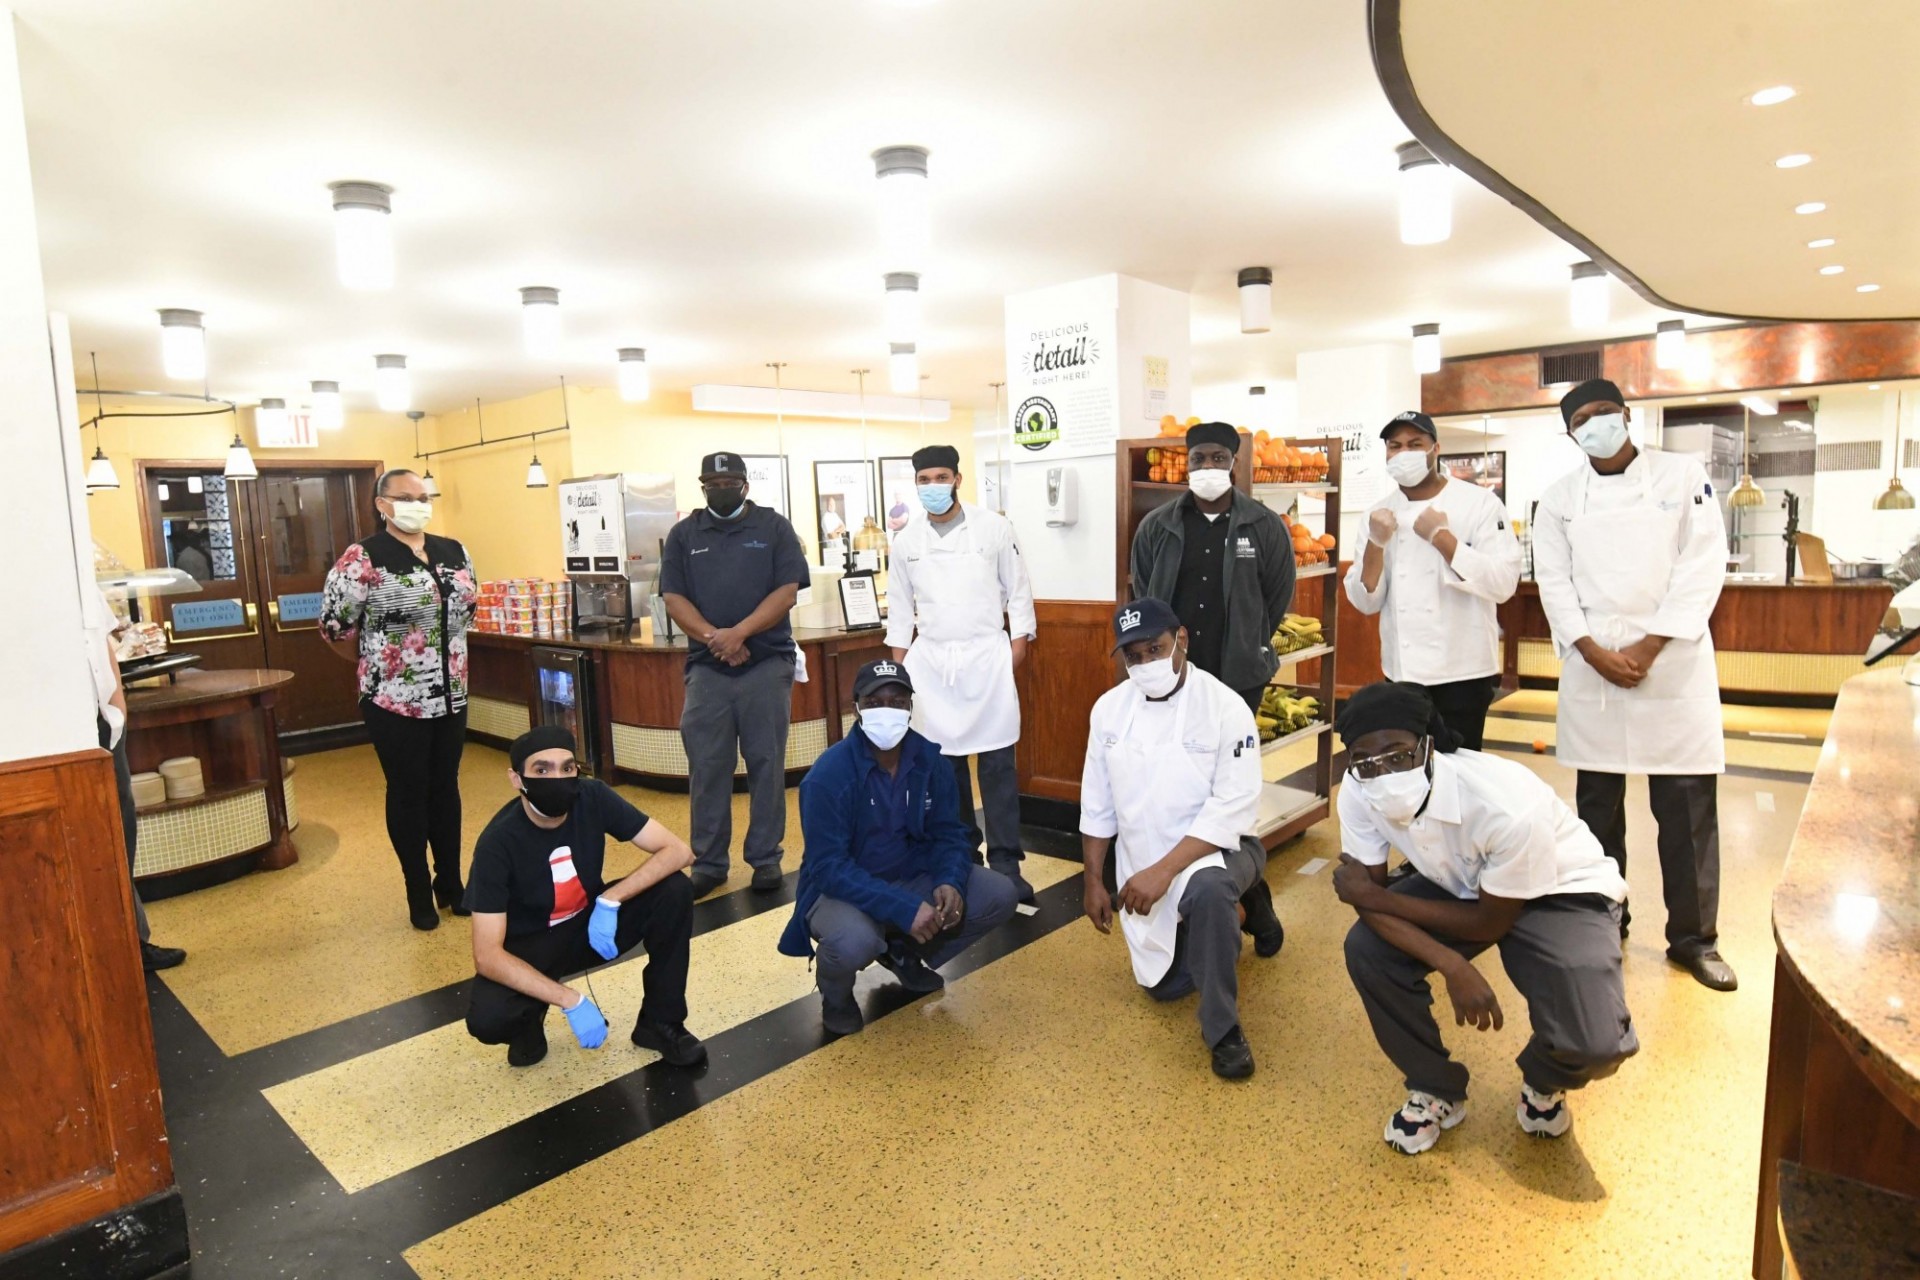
pixel 843 500
pixel 767 481
pixel 1062 377
pixel 1488 470
pixel 899 497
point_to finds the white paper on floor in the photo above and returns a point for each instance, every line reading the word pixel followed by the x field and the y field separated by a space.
pixel 1765 800
pixel 1027 909
pixel 1312 866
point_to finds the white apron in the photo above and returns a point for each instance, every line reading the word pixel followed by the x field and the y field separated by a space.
pixel 1622 558
pixel 961 659
pixel 1157 793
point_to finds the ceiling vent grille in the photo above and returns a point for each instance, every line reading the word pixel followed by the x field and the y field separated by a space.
pixel 1850 455
pixel 1569 366
pixel 1776 466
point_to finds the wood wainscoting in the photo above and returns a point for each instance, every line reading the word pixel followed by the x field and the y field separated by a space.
pixel 82 1136
pixel 1067 669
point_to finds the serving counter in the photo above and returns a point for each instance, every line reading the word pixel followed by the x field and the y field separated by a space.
pixel 1843 1067
pixel 639 686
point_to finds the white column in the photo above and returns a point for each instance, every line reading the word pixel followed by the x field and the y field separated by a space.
pixel 48 707
pixel 1352 392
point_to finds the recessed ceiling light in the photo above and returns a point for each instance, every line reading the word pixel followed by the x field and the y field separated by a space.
pixel 1866 288
pixel 1793 161
pixel 1832 269
pixel 1811 206
pixel 1873 386
pixel 1770 97
pixel 1825 242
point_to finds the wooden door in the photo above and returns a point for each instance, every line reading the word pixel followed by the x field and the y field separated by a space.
pixel 304 517
pixel 195 519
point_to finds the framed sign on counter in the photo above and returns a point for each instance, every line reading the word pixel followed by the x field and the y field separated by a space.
pixel 1488 470
pixel 767 481
pixel 843 499
pixel 899 498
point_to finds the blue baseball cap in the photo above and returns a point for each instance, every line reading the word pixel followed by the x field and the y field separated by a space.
pixel 1143 620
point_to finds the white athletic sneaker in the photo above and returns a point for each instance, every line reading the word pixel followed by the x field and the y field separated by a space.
pixel 1544 1115
pixel 1417 1125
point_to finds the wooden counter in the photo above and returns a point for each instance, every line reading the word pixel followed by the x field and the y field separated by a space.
pixel 1843 1068
pixel 226 720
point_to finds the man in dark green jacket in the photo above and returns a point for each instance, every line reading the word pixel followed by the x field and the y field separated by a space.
pixel 1225 563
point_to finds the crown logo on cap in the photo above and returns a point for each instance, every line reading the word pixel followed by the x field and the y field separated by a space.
pixel 1129 619
pixel 1408 416
pixel 885 669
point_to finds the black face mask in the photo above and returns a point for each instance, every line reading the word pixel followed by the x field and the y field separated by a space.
pixel 724 500
pixel 552 797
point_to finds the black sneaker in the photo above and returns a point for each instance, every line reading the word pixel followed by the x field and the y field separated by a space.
pixel 530 1045
pixel 1010 868
pixel 451 897
pixel 677 1046
pixel 425 917
pixel 1233 1056
pixel 767 878
pixel 912 971
pixel 153 958
pixel 705 882
pixel 1268 933
pixel 840 1012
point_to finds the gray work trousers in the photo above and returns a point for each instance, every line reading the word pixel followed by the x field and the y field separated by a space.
pixel 999 798
pixel 129 819
pixel 1206 948
pixel 730 717
pixel 849 939
pixel 1563 954
pixel 1686 809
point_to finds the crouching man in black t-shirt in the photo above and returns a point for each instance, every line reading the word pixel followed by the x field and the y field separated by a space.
pixel 541 910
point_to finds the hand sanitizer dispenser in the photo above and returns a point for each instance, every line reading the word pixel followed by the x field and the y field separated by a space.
pixel 1063 497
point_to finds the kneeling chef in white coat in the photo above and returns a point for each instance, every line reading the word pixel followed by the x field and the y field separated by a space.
pixel 1173 772
pixel 954 575
pixel 1630 553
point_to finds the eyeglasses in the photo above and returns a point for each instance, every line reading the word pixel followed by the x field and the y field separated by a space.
pixel 1398 760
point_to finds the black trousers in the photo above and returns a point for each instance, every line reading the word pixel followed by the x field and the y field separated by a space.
pixel 421 760
pixel 1000 798
pixel 661 919
pixel 129 818
pixel 1686 807
pixel 1463 705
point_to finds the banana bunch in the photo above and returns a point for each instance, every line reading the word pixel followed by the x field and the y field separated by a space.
pixel 1296 633
pixel 1282 713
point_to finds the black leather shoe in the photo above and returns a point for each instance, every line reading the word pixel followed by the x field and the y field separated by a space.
pixel 677 1046
pixel 912 972
pixel 768 878
pixel 154 958
pixel 705 882
pixel 425 917
pixel 1233 1056
pixel 1268 934
pixel 451 897
pixel 1708 969
pixel 530 1045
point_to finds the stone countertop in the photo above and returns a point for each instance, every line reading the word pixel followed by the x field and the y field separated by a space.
pixel 622 640
pixel 1846 913
pixel 194 686
pixel 1835 1228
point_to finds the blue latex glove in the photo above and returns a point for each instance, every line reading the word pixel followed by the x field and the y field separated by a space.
pixel 601 926
pixel 589 1025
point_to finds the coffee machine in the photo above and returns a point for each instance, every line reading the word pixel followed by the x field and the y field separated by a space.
pixel 612 530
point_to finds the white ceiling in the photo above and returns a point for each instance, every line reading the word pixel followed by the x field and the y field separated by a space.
pixel 1629 122
pixel 694 178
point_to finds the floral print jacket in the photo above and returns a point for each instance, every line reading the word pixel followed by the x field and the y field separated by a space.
pixel 411 618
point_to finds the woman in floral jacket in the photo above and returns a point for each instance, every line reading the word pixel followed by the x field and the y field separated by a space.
pixel 400 602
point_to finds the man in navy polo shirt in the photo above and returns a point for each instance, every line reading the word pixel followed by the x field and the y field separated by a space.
pixel 888 873
pixel 730 575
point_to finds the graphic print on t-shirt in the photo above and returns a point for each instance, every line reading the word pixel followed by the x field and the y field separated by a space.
pixel 569 899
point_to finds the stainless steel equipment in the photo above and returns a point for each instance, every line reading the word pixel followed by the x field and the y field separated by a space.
pixel 564 678
pixel 612 529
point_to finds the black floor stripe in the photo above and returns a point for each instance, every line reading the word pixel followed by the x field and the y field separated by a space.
pixel 1733 770
pixel 1744 735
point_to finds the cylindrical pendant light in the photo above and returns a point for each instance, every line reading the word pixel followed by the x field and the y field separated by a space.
pixel 1588 305
pixel 1426 196
pixel 905 235
pixel 428 483
pixel 1426 348
pixel 903 306
pixel 536 474
pixel 903 368
pixel 391 385
pixel 1256 299
pixel 183 344
pixel 328 412
pixel 270 420
pixel 1896 498
pixel 363 234
pixel 101 475
pixel 239 461
pixel 635 382
pixel 1670 344
pixel 540 321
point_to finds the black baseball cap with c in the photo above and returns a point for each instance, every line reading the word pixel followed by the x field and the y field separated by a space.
pixel 1143 619
pixel 881 671
pixel 718 465
pixel 1412 418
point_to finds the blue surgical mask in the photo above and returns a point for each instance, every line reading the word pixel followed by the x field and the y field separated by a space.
pixel 1602 435
pixel 884 726
pixel 936 498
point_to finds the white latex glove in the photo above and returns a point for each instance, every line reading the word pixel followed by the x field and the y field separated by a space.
pixel 1430 522
pixel 1381 526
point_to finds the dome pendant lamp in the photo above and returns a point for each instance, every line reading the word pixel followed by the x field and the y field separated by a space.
pixel 1897 497
pixel 1746 494
pixel 239 461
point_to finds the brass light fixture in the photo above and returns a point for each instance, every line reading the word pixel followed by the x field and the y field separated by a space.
pixel 1896 498
pixel 1746 493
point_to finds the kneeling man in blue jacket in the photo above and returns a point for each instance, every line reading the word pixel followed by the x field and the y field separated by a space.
pixel 888 871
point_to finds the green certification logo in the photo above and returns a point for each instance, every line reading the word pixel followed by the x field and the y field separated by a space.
pixel 1036 425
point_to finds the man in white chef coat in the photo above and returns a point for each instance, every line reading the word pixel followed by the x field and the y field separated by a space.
pixel 960 618
pixel 1172 781
pixel 1440 559
pixel 1630 553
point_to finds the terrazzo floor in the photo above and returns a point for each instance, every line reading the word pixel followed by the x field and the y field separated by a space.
pixel 1041 1117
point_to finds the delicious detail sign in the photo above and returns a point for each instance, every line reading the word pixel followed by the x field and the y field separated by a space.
pixel 1063 374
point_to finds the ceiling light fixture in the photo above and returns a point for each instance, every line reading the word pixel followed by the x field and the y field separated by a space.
pixel 1793 161
pixel 761 402
pixel 1811 206
pixel 1824 242
pixel 239 461
pixel 429 484
pixel 194 484
pixel 328 412
pixel 540 321
pixel 1896 498
pixel 1747 493
pixel 905 236
pixel 1832 269
pixel 1256 299
pixel 1866 288
pixel 636 383
pixel 1426 196
pixel 903 368
pixel 390 383
pixel 101 475
pixel 1588 300
pixel 1670 344
pixel 1426 349
pixel 183 343
pixel 536 474
pixel 903 306
pixel 1771 97
pixel 363 234
pixel 270 420
pixel 1761 405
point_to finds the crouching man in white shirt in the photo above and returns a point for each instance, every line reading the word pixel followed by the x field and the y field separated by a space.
pixel 1500 860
